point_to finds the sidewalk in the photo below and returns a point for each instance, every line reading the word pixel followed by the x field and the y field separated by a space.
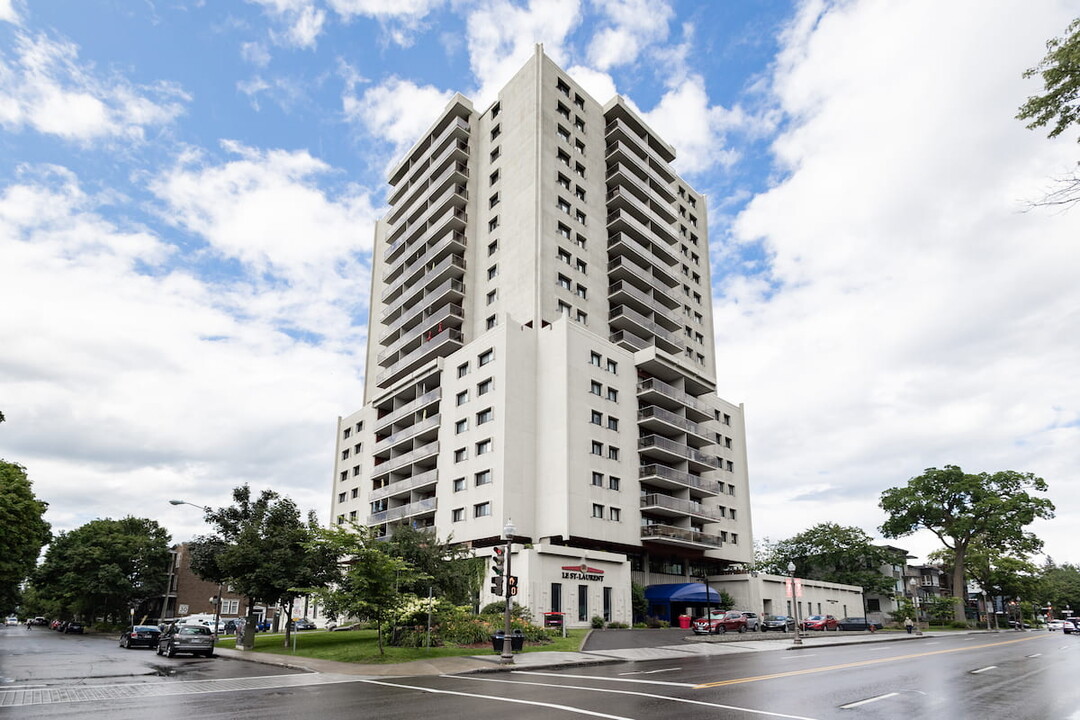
pixel 691 646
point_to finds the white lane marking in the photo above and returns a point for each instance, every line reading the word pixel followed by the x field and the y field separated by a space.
pixel 867 701
pixel 651 672
pixel 599 677
pixel 499 698
pixel 1035 655
pixel 798 656
pixel 629 692
pixel 935 642
pixel 988 667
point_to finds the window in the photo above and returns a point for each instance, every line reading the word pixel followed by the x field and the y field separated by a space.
pixel 598 511
pixel 563 281
pixel 579 101
pixel 727 419
pixel 563 110
pixel 582 266
pixel 613 367
pixel 344 475
pixel 345 454
pixel 564 230
pixel 730 466
pixel 341 497
pixel 485 416
pixel 598 479
pixel 613 423
pixel 579 124
pixel 579 170
pixel 595 388
pixel 579 216
pixel 579 193
pixel 496 131
pixel 482 509
pixel 562 87
pixel 461 426
pixel 730 489
pixel 495 109
pixel 355 493
pixel 463 370
pixel 493 223
pixel 348 432
pixel 485 357
pixel 733 513
pixel 483 447
pixel 340 519
pixel 583 603
pixel 612 452
pixel 616 515
pixel 612 394
pixel 563 205
pixel 597 448
pixel 596 418
pixel 461 454
pixel 484 388
pixel 459 484
pixel 483 477
pixel 495 154
pixel 493 272
pixel 580 147
pixel 352 514
pixel 556 597
pixel 580 240
pixel 563 157
pixel 613 482
pixel 582 317
pixel 493 246
pixel 563 133
pixel 493 178
pixel 490 299
pixel 563 308
pixel 563 181
pixel 594 359
pixel 462 397
pixel 457 515
pixel 356 470
pixel 493 200
pixel 491 322
pixel 607 602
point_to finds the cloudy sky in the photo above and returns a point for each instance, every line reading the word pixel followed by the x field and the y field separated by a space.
pixel 188 191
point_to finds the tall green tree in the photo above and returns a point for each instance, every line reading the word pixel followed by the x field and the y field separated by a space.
pixel 105 568
pixel 1058 107
pixel 999 573
pixel 263 549
pixel 23 531
pixel 962 508
pixel 832 553
pixel 1059 587
pixel 449 571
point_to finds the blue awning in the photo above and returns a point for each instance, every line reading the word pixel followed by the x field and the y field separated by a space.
pixel 681 593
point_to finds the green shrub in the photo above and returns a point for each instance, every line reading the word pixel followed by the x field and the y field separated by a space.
pixel 959 624
pixel 597 622
pixel 618 625
pixel 640 626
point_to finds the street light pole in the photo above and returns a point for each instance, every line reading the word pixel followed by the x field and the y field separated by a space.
pixel 507 657
pixel 915 599
pixel 795 603
pixel 217 598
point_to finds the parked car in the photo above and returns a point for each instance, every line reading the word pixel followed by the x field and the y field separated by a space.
pixel 73 627
pixel 189 639
pixel 228 627
pixel 55 625
pixel 821 622
pixel 140 635
pixel 753 621
pixel 782 623
pixel 303 624
pixel 1071 625
pixel 858 623
pixel 720 622
pixel 1053 625
pixel 12 621
pixel 40 621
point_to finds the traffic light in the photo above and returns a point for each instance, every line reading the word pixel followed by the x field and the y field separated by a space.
pixel 498 567
pixel 511 585
pixel 497 586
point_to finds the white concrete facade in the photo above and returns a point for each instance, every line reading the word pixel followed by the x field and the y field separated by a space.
pixel 541 350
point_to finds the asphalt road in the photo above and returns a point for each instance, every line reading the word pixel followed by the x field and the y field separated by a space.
pixel 1017 676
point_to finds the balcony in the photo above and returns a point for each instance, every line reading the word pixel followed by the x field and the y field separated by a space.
pixel 659 504
pixel 435 346
pixel 452 242
pixel 684 537
pixel 431 396
pixel 622 196
pixel 652 235
pixel 621 267
pixel 659 392
pixel 410 321
pixel 618 129
pixel 415 162
pixel 438 319
pixel 407 232
pixel 625 293
pixel 621 317
pixel 420 507
pixel 414 456
pixel 456 171
pixel 397 487
pixel 657 419
pixel 672 451
pixel 640 252
pixel 431 423
pixel 423 296
pixel 666 477
pixel 622 159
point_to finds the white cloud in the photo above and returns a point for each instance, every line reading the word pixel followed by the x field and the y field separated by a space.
pixel 598 84
pixel 303 21
pixel 910 315
pixel 400 21
pixel 160 382
pixel 396 111
pixel 44 87
pixel 697 129
pixel 255 53
pixel 502 36
pixel 631 27
pixel 8 13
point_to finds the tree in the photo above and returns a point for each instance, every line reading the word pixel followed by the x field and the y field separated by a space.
pixel 449 571
pixel 961 508
pixel 1059 587
pixel 23 532
pixel 998 573
pixel 1059 106
pixel 104 568
pixel 370 578
pixel 262 548
pixel 832 553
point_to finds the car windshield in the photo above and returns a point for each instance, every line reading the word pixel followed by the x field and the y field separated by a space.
pixel 194 630
pixel 776 617
pixel 146 628
pixel 816 617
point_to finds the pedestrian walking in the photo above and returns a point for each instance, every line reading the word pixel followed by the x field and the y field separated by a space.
pixel 909 625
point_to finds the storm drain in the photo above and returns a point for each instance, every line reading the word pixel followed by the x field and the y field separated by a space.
pixel 85 693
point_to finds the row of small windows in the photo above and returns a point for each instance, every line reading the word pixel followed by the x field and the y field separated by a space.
pixel 613 513
pixel 563 255
pixel 564 182
pixel 482 448
pixel 597 448
pixel 355 449
pixel 597 360
pixel 597 388
pixel 613 482
pixel 483 477
pixel 482 388
pixel 597 418
pixel 345 473
pixel 483 417
pixel 562 86
pixel 479 510
pixel 349 431
pixel 565 283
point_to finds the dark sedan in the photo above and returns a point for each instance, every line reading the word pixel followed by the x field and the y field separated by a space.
pixel 140 636
pixel 781 623
pixel 859 623
pixel 72 627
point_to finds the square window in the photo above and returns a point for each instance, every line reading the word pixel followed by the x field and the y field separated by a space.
pixel 579 192
pixel 582 317
pixel 613 482
pixel 562 87
pixel 596 418
pixel 613 423
pixel 579 124
pixel 482 509
pixel 563 157
pixel 612 394
pixel 563 133
pixel 598 479
pixel 483 447
pixel 563 180
pixel 344 475
pixel 580 147
pixel 496 131
pixel 563 308
pixel 457 515
pixel 563 230
pixel 579 216
pixel 341 497
pixel 615 514
pixel 563 205
pixel 495 109
pixel 493 178
pixel 461 426
pixel 493 200
pixel 597 448
pixel 493 272
pixel 580 240
pixel 495 154
pixel 595 358
pixel 596 388
pixel 459 484
pixel 348 432
pixel 345 454
pixel 579 170
pixel 356 470
pixel 484 388
pixel 355 493
pixel 461 454
pixel 485 416
pixel 563 110
pixel 485 357
pixel 491 297
pixel 613 367
pixel 490 322
pixel 483 477
pixel 463 370
pixel 493 223
pixel 582 266
pixel 612 452
pixel 563 281
pixel 352 514
pixel 598 511
pixel 493 246
pixel 579 101
pixel 462 397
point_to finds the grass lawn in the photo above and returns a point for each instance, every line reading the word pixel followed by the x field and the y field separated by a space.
pixel 361 646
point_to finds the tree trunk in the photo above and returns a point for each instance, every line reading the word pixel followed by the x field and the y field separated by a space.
pixel 288 621
pixel 247 642
pixel 958 583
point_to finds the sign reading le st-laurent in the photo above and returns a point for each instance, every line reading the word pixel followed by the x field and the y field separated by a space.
pixel 582 572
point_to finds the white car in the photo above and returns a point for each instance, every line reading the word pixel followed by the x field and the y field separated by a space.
pixel 1055 625
pixel 12 621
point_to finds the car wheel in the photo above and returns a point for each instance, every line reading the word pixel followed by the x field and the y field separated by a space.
pixel 721 629
pixel 170 651
pixel 742 629
pixel 785 628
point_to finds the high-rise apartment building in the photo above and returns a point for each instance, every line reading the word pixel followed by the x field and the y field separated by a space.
pixel 540 350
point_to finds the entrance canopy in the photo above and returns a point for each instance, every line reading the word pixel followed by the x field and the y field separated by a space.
pixel 681 593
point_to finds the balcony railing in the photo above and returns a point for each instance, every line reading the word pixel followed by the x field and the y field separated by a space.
pixel 664 475
pixel 622 195
pixel 403 511
pixel 645 273
pixel 666 416
pixel 424 451
pixel 685 507
pixel 653 385
pixel 432 347
pixel 621 313
pixel 412 406
pixel 679 450
pixel 656 303
pixel 406 433
pixel 405 267
pixel 408 231
pixel 622 220
pixel 406 484
pixel 443 313
pixel 681 536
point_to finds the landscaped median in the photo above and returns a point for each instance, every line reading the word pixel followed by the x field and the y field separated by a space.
pixel 361 646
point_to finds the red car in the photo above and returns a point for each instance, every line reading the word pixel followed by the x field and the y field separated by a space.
pixel 720 622
pixel 821 622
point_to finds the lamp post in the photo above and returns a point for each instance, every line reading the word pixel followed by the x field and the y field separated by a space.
pixel 795 603
pixel 915 599
pixel 507 657
pixel 986 609
pixel 217 598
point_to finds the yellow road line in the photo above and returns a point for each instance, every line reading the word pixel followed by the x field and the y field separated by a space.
pixel 875 661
